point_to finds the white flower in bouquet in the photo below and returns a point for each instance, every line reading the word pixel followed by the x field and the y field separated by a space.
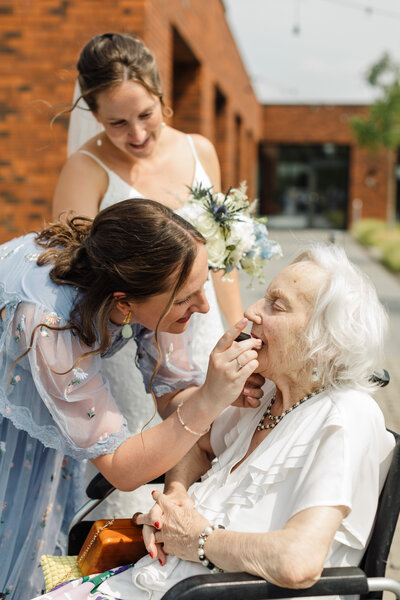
pixel 241 238
pixel 217 251
pixel 235 238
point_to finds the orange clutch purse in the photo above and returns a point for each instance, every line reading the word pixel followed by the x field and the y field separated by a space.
pixel 111 544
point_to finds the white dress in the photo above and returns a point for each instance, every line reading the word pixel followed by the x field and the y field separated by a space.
pixel 124 377
pixel 333 450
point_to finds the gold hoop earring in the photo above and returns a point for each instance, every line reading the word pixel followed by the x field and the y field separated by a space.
pixel 127 331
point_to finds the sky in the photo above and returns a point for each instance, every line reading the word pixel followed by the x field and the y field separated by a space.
pixel 313 51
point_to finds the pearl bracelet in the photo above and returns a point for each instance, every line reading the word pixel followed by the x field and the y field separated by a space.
pixel 202 557
pixel 178 412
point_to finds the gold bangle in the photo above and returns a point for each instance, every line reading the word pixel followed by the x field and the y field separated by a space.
pixel 178 412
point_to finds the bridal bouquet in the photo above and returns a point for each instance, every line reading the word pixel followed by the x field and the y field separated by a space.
pixel 235 237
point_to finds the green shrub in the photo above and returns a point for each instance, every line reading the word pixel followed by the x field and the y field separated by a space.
pixel 385 241
pixel 391 256
pixel 385 238
pixel 365 229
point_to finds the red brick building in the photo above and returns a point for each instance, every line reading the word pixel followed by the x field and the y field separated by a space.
pixel 205 83
pixel 333 155
pixel 202 72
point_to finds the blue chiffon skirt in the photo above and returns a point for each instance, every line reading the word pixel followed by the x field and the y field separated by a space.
pixel 40 490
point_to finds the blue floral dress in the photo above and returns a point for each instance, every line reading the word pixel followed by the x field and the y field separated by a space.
pixel 53 418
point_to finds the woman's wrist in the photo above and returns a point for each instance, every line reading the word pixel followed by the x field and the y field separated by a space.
pixel 201 550
pixel 199 411
pixel 186 426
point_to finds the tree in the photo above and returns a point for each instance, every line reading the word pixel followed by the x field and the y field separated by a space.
pixel 381 127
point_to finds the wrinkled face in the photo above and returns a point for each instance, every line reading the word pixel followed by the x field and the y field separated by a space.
pixel 190 299
pixel 131 116
pixel 279 319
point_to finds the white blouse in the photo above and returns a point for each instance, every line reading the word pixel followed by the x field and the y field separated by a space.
pixel 333 450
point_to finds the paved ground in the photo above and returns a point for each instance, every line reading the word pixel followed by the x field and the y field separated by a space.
pixel 388 287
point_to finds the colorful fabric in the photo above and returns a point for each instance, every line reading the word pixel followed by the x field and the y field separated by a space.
pixel 85 588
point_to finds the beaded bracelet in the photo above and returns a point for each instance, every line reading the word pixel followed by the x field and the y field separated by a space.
pixel 202 557
pixel 178 412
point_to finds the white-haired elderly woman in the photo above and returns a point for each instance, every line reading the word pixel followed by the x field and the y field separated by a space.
pixel 294 483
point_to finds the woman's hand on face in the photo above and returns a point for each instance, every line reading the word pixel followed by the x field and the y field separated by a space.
pixel 231 364
pixel 252 392
pixel 180 529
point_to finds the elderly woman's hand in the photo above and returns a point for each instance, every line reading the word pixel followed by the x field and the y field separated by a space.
pixel 252 392
pixel 181 526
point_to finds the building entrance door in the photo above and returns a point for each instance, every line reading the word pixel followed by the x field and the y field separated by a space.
pixel 305 186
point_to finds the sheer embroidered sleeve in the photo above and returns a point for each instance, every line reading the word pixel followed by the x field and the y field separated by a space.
pixel 178 369
pixel 64 403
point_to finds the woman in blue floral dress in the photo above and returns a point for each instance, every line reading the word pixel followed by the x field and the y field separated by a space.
pixel 70 296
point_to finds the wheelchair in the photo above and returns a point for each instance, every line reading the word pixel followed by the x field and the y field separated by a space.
pixel 368 580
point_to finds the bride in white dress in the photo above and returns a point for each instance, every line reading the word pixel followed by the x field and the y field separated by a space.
pixel 121 148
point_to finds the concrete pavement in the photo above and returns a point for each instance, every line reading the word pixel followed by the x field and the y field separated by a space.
pixel 388 287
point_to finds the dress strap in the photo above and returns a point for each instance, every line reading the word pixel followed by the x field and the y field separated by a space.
pixel 192 147
pixel 99 162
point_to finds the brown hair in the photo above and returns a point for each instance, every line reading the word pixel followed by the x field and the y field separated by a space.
pixel 111 58
pixel 138 247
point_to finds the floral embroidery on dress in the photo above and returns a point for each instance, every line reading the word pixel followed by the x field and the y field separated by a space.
pixel 14 381
pixel 92 412
pixel 45 515
pixel 28 459
pixel 31 257
pixel 19 329
pixel 78 376
pixel 65 474
pixel 168 354
pixel 51 319
pixel 4 254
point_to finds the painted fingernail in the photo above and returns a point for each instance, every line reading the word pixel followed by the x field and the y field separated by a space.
pixel 151 554
pixel 157 525
pixel 160 561
pixel 153 491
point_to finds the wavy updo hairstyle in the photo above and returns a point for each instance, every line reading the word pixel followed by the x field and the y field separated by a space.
pixel 346 331
pixel 109 59
pixel 138 247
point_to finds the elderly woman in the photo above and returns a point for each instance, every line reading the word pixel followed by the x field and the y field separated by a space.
pixel 294 483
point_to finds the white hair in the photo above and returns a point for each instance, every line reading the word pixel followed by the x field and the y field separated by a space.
pixel 346 331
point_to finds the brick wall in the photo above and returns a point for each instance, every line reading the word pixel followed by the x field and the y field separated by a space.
pixel 39 46
pixel 370 175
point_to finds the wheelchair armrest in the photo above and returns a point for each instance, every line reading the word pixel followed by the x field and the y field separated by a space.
pixel 99 486
pixel 382 378
pixel 236 586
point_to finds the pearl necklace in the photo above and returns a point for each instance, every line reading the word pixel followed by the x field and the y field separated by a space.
pixel 278 418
